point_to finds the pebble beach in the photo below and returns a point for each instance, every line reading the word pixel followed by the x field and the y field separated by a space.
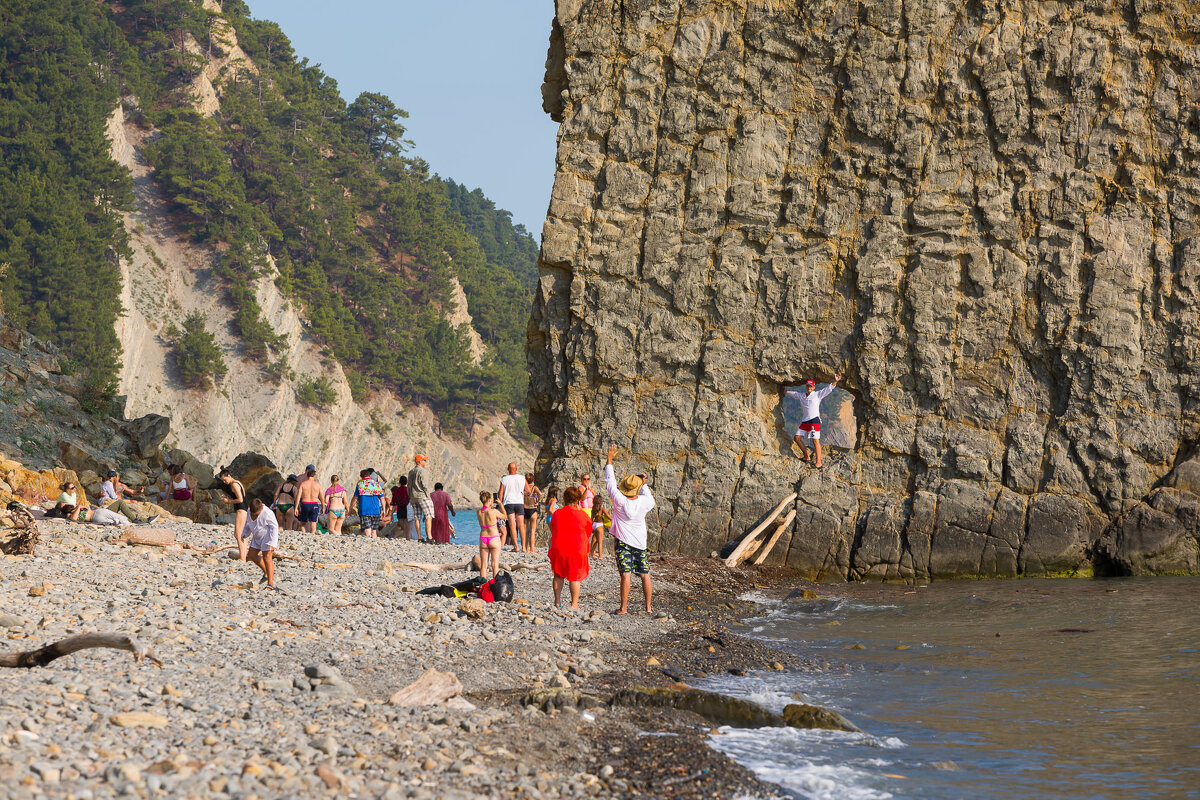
pixel 284 694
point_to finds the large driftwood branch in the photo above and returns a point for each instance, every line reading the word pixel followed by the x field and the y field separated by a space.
pixel 24 536
pixel 73 644
pixel 460 565
pixel 472 565
pixel 740 551
pixel 783 526
pixel 161 537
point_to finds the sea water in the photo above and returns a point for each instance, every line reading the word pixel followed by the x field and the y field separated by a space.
pixel 984 689
pixel 466 528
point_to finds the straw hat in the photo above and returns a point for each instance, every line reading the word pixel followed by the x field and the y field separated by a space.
pixel 630 485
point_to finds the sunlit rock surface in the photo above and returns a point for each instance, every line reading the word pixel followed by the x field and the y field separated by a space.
pixel 985 214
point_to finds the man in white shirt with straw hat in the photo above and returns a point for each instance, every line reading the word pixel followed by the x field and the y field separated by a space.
pixel 631 502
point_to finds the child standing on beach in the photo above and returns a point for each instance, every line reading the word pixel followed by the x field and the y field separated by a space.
pixel 552 504
pixel 489 535
pixel 600 524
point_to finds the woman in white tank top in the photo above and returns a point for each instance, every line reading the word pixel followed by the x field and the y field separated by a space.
pixel 182 486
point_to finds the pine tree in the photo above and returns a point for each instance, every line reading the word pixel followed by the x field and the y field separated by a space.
pixel 198 360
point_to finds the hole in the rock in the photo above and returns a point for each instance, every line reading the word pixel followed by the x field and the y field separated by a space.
pixel 839 428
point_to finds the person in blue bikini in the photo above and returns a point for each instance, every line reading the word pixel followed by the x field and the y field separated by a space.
pixel 489 535
pixel 335 504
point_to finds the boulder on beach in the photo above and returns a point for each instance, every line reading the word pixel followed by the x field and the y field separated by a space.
pixel 148 433
pixel 40 488
pixel 258 474
pixel 433 688
pixel 79 457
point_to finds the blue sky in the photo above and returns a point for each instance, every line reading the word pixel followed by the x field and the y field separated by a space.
pixel 468 72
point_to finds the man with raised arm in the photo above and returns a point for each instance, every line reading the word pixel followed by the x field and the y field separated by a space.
pixel 631 502
pixel 810 416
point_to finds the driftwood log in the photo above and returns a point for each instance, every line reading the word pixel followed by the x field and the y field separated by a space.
pixel 750 538
pixel 151 537
pixel 23 536
pixel 162 537
pixel 770 545
pixel 459 565
pixel 73 644
pixel 472 565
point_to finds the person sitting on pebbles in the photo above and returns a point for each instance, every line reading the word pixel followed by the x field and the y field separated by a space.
pixel 631 502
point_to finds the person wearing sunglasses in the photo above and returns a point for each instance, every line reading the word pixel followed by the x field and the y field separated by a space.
pixel 69 496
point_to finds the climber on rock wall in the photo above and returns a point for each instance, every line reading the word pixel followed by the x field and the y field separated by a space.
pixel 810 417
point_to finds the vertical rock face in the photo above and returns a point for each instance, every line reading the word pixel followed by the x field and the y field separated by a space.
pixel 985 214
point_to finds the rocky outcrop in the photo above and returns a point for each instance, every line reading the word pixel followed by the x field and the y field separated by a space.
pixel 52 432
pixel 148 433
pixel 986 215
pixel 258 475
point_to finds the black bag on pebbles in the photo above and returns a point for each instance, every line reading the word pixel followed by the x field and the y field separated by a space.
pixel 502 588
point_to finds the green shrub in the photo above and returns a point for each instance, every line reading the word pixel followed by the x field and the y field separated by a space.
pixel 316 392
pixel 378 425
pixel 358 385
pixel 198 360
pixel 278 370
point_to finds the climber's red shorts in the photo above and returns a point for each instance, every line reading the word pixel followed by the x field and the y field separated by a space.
pixel 809 430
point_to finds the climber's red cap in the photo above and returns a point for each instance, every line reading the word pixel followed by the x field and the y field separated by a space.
pixel 812 383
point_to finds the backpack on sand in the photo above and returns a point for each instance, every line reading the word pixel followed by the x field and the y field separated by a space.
pixel 502 587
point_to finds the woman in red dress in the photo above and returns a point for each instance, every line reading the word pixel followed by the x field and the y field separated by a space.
pixel 570 530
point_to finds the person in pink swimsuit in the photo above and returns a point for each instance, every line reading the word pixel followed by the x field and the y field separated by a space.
pixel 489 536
pixel 586 495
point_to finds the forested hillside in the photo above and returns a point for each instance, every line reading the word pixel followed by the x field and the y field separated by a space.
pixel 285 179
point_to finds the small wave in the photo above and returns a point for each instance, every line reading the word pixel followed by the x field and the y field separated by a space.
pixel 778 755
pixel 770 690
pixel 887 742
pixel 775 690
pixel 759 598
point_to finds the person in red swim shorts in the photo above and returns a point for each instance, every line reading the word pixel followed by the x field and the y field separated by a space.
pixel 810 417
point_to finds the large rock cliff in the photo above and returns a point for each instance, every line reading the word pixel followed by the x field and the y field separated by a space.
pixel 986 214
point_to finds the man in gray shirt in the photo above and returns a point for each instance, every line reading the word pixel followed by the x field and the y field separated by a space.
pixel 418 496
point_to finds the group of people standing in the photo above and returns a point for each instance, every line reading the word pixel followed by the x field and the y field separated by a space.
pixel 577 528
pixel 578 524
pixel 300 502
pixel 431 509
